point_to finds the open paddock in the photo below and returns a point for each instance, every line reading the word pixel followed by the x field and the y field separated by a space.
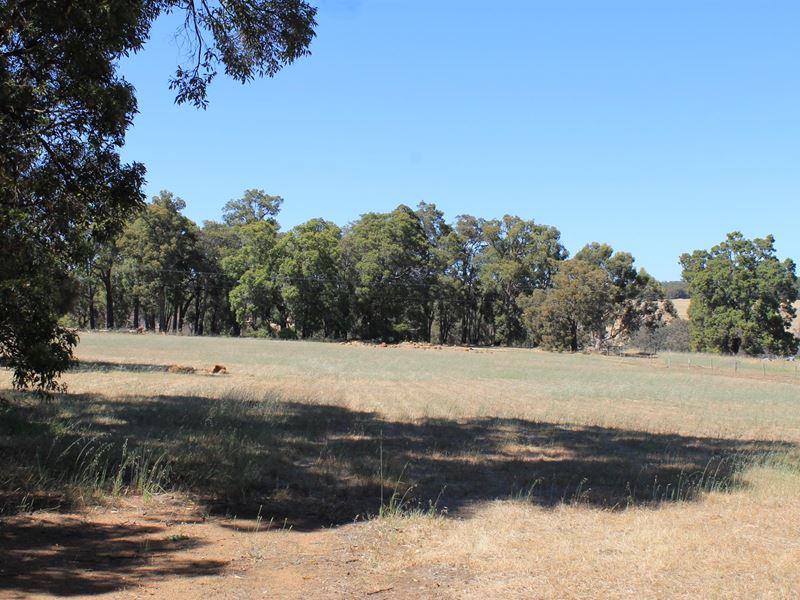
pixel 342 471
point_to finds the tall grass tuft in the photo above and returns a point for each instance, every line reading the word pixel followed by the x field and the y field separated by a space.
pixel 104 468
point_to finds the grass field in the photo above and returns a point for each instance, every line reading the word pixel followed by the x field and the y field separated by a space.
pixel 329 470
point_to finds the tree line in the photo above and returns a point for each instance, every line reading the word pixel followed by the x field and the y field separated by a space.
pixel 407 274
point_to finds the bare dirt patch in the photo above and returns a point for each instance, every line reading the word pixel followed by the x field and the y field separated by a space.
pixel 164 548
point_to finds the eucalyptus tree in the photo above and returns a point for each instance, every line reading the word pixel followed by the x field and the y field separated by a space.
pixel 577 306
pixel 464 246
pixel 254 205
pixel 160 261
pixel 253 267
pixel 437 305
pixel 310 279
pixel 387 259
pixel 742 297
pixel 63 119
pixel 637 299
pixel 596 299
pixel 212 310
pixel 520 256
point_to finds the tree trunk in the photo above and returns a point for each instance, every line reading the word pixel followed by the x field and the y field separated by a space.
pixel 430 317
pixel 136 313
pixel 183 310
pixel 162 309
pixel 176 309
pixel 214 324
pixel 109 298
pixel 196 327
pixel 92 310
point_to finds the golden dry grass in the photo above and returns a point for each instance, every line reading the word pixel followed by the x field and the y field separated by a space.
pixel 536 457
pixel 682 306
pixel 728 546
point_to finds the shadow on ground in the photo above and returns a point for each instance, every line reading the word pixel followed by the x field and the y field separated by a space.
pixel 104 366
pixel 70 557
pixel 317 465
pixel 305 465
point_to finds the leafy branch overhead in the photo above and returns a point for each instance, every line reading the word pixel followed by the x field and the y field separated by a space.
pixel 249 39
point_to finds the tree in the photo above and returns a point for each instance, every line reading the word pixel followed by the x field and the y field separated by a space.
pixel 597 298
pixel 579 304
pixel 440 293
pixel 213 313
pixel 99 272
pixel 255 297
pixel 160 261
pixel 387 260
pixel 520 256
pixel 310 280
pixel 63 118
pixel 253 267
pixel 105 257
pixel 464 246
pixel 637 300
pixel 254 205
pixel 742 297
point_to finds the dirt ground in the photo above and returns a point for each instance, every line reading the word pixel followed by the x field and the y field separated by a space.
pixel 165 548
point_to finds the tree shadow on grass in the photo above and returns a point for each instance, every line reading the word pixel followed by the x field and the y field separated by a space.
pixel 68 557
pixel 307 466
pixel 105 367
pixel 313 465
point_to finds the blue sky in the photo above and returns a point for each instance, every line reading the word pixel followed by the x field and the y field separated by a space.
pixel 654 126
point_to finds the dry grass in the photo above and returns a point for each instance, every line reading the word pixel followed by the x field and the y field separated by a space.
pixel 728 546
pixel 551 475
pixel 682 306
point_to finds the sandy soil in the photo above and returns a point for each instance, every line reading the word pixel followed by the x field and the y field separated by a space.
pixel 165 548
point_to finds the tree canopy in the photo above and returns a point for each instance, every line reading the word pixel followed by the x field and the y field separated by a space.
pixel 742 297
pixel 597 299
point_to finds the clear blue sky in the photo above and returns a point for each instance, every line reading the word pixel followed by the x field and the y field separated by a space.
pixel 654 126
